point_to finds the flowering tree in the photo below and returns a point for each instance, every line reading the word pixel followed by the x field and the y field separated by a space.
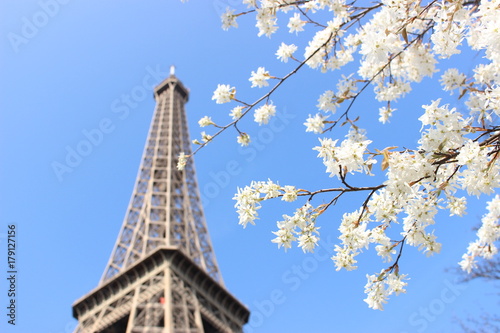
pixel 395 44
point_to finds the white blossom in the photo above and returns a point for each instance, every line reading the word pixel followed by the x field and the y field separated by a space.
pixel 392 91
pixel 181 163
pixel 380 286
pixel 315 124
pixel 470 154
pixel 485 33
pixel 247 203
pixel 250 3
pixel 452 79
pixel 346 87
pixel 295 24
pixel 270 189
pixel 457 206
pixel 205 121
pixel 205 137
pixel 308 241
pixel 445 128
pixel 385 113
pixel 264 113
pixel 488 234
pixel 449 30
pixel 236 112
pixel 285 52
pixel 243 139
pixel 223 94
pixel 284 237
pixel 327 101
pixel 229 19
pixel 353 233
pixel 344 258
pixel 290 193
pixel 259 78
pixel 300 227
pixel 349 155
pixel 266 21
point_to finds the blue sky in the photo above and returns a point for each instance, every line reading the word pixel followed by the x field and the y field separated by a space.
pixel 74 60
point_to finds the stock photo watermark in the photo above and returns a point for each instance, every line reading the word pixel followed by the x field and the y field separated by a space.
pixel 9 244
pixel 422 318
pixel 31 25
pixel 260 141
pixel 120 108
pixel 292 279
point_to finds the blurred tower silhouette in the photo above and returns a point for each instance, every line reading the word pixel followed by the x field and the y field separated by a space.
pixel 162 275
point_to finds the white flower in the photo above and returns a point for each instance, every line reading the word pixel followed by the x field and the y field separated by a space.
pixel 284 237
pixel 380 286
pixel 346 87
pixel 308 241
pixel 295 24
pixel 353 233
pixel 457 206
pixel 392 91
pixel 315 124
pixel 290 194
pixel 205 137
pixel 327 101
pixel 445 128
pixel 250 3
pixel 348 157
pixel 266 21
pixel 205 121
pixel 270 189
pixel 449 30
pixel 344 258
pixel 229 19
pixel 243 139
pixel 487 73
pixel 385 113
pixel 285 51
pixel 470 154
pixel 264 113
pixel 259 78
pixel 488 234
pixel 452 79
pixel 467 263
pixel 321 41
pixel 224 93
pixel 376 294
pixel 236 112
pixel 181 163
pixel 301 224
pixel 247 203
pixel 377 44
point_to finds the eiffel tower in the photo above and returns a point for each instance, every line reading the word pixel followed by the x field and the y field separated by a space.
pixel 162 275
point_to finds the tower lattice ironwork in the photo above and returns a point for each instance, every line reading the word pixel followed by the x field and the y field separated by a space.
pixel 162 275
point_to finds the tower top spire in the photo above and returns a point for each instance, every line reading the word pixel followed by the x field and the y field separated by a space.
pixel 172 70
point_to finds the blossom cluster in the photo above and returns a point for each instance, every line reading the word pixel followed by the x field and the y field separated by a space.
pixel 300 227
pixel 348 157
pixel 380 286
pixel 393 45
pixel 248 198
pixel 487 235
